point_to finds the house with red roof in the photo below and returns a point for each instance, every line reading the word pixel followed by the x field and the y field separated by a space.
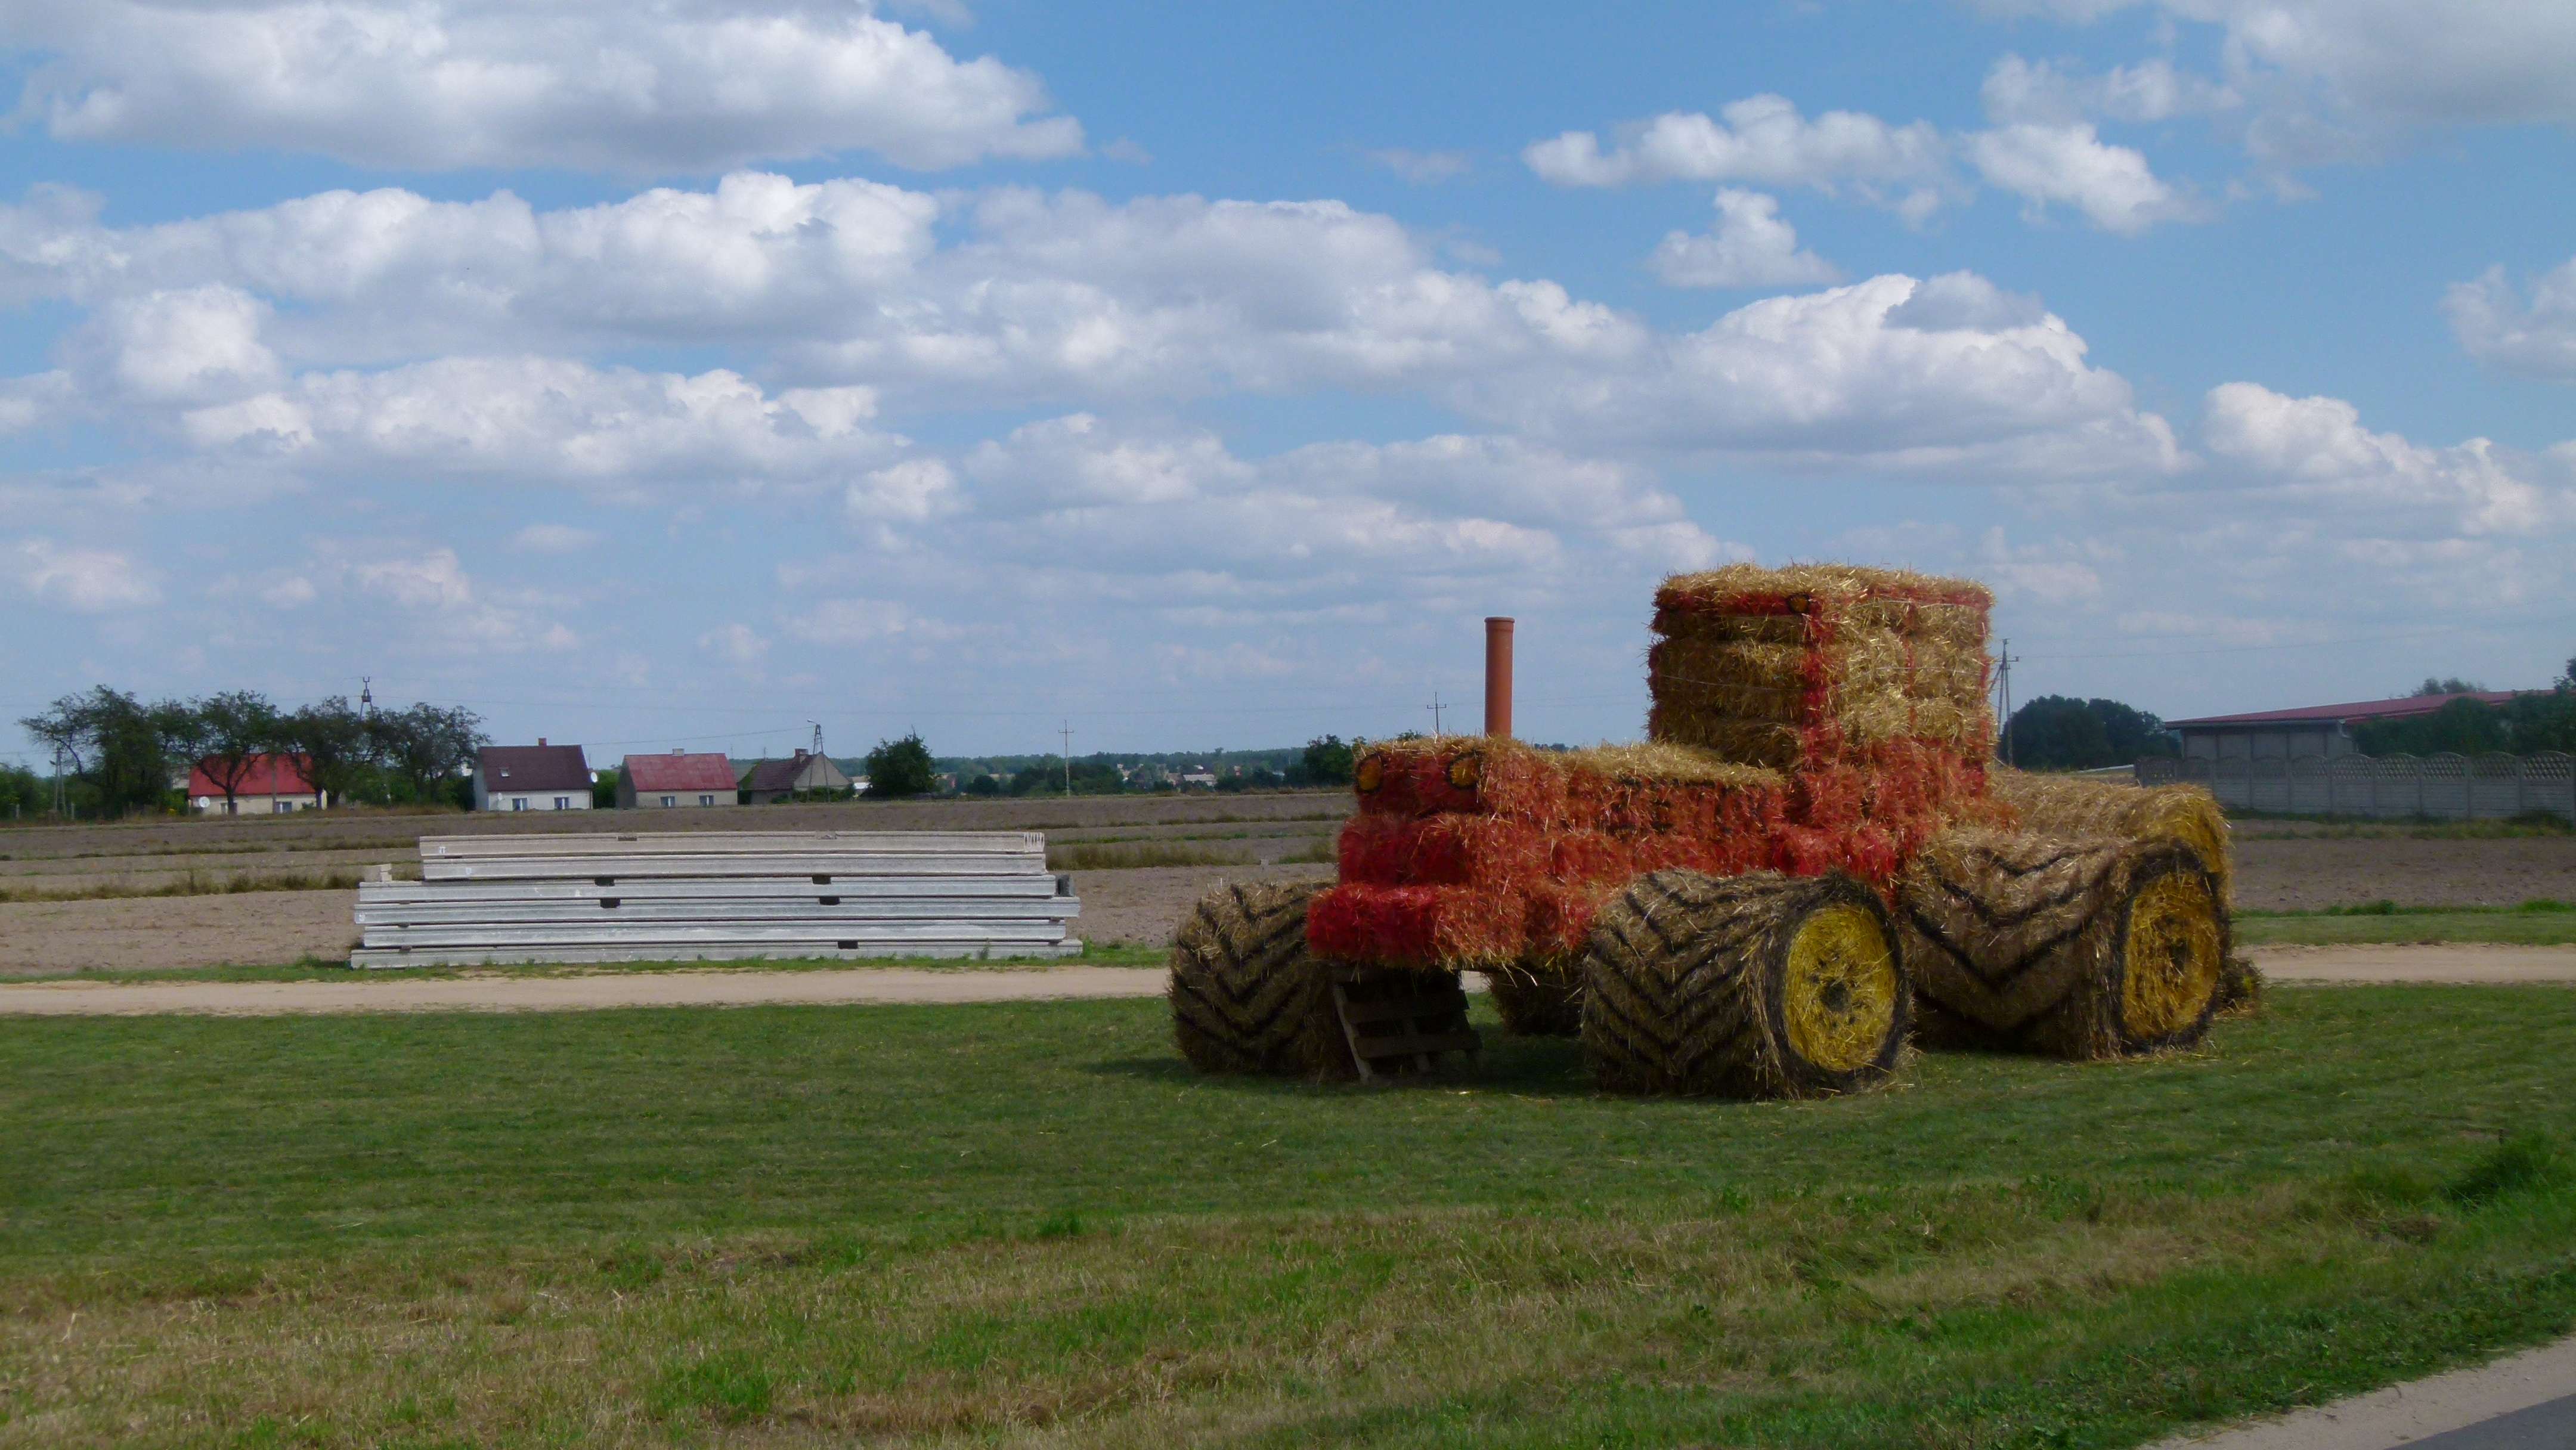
pixel 2309 730
pixel 675 781
pixel 265 785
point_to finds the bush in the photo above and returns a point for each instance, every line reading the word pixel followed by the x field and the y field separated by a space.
pixel 901 768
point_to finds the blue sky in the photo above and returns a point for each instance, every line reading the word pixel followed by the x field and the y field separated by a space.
pixel 1201 376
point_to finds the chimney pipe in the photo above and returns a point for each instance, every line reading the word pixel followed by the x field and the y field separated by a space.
pixel 1498 676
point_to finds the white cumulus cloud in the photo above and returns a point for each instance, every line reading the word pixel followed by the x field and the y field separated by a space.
pixel 2070 165
pixel 1761 139
pixel 2534 337
pixel 1751 246
pixel 692 86
pixel 2316 448
pixel 85 581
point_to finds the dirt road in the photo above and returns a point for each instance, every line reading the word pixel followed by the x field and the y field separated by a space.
pixel 2456 964
pixel 742 986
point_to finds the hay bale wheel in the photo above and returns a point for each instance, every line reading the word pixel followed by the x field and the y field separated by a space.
pixel 2078 948
pixel 1538 1001
pixel 1754 986
pixel 1246 998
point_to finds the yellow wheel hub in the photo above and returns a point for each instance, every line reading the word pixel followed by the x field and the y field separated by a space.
pixel 1839 999
pixel 2174 956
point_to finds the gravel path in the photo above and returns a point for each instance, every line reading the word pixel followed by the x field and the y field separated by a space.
pixel 745 986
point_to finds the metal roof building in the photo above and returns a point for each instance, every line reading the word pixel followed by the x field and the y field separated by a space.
pixel 2323 730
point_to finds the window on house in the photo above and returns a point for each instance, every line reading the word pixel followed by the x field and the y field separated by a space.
pixel 281 807
pixel 670 800
pixel 706 800
pixel 563 802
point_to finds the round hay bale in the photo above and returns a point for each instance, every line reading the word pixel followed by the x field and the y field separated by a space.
pixel 2084 948
pixel 1537 1003
pixel 2240 989
pixel 1754 986
pixel 1246 997
pixel 2060 805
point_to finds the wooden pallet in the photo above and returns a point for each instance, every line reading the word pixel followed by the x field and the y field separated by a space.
pixel 1399 1023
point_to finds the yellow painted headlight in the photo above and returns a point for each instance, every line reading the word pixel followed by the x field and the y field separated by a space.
pixel 1370 773
pixel 1465 771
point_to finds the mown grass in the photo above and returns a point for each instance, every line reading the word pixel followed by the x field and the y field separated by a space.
pixel 2538 922
pixel 1029 1224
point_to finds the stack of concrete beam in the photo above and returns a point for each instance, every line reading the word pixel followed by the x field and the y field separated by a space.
pixel 714 896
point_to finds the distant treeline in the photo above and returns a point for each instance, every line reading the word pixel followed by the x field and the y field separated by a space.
pixel 121 755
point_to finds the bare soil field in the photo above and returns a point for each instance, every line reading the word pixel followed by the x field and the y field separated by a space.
pixel 212 853
pixel 1250 837
pixel 265 928
pixel 2306 874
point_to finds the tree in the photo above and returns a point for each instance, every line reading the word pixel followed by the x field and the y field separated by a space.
pixel 1327 761
pixel 603 789
pixel 2057 732
pixel 985 784
pixel 114 743
pixel 2452 685
pixel 335 742
pixel 900 768
pixel 21 793
pixel 229 732
pixel 2567 681
pixel 427 746
pixel 2468 727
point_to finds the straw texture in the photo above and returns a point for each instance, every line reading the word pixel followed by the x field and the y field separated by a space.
pixel 1705 986
pixel 1788 668
pixel 2083 947
pixel 2064 805
pixel 1246 997
pixel 1543 1002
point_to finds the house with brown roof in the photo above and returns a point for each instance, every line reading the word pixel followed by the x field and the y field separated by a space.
pixel 265 785
pixel 776 780
pixel 676 781
pixel 539 777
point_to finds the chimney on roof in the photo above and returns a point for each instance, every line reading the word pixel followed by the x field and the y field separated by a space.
pixel 541 740
pixel 677 750
pixel 1498 675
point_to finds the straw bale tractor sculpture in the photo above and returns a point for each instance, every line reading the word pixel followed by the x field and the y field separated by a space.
pixel 1810 863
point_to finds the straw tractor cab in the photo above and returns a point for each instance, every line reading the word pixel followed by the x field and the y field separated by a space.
pixel 1810 862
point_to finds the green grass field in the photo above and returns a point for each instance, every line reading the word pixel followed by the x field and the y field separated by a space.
pixel 1029 1224
pixel 2383 923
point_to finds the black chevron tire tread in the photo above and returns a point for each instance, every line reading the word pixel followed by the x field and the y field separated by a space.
pixel 2015 940
pixel 1245 996
pixel 1682 987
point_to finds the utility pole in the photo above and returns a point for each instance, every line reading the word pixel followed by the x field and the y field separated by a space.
pixel 1066 730
pixel 1435 707
pixel 366 697
pixel 2003 683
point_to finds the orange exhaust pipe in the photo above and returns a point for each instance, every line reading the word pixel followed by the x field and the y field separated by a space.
pixel 1498 676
